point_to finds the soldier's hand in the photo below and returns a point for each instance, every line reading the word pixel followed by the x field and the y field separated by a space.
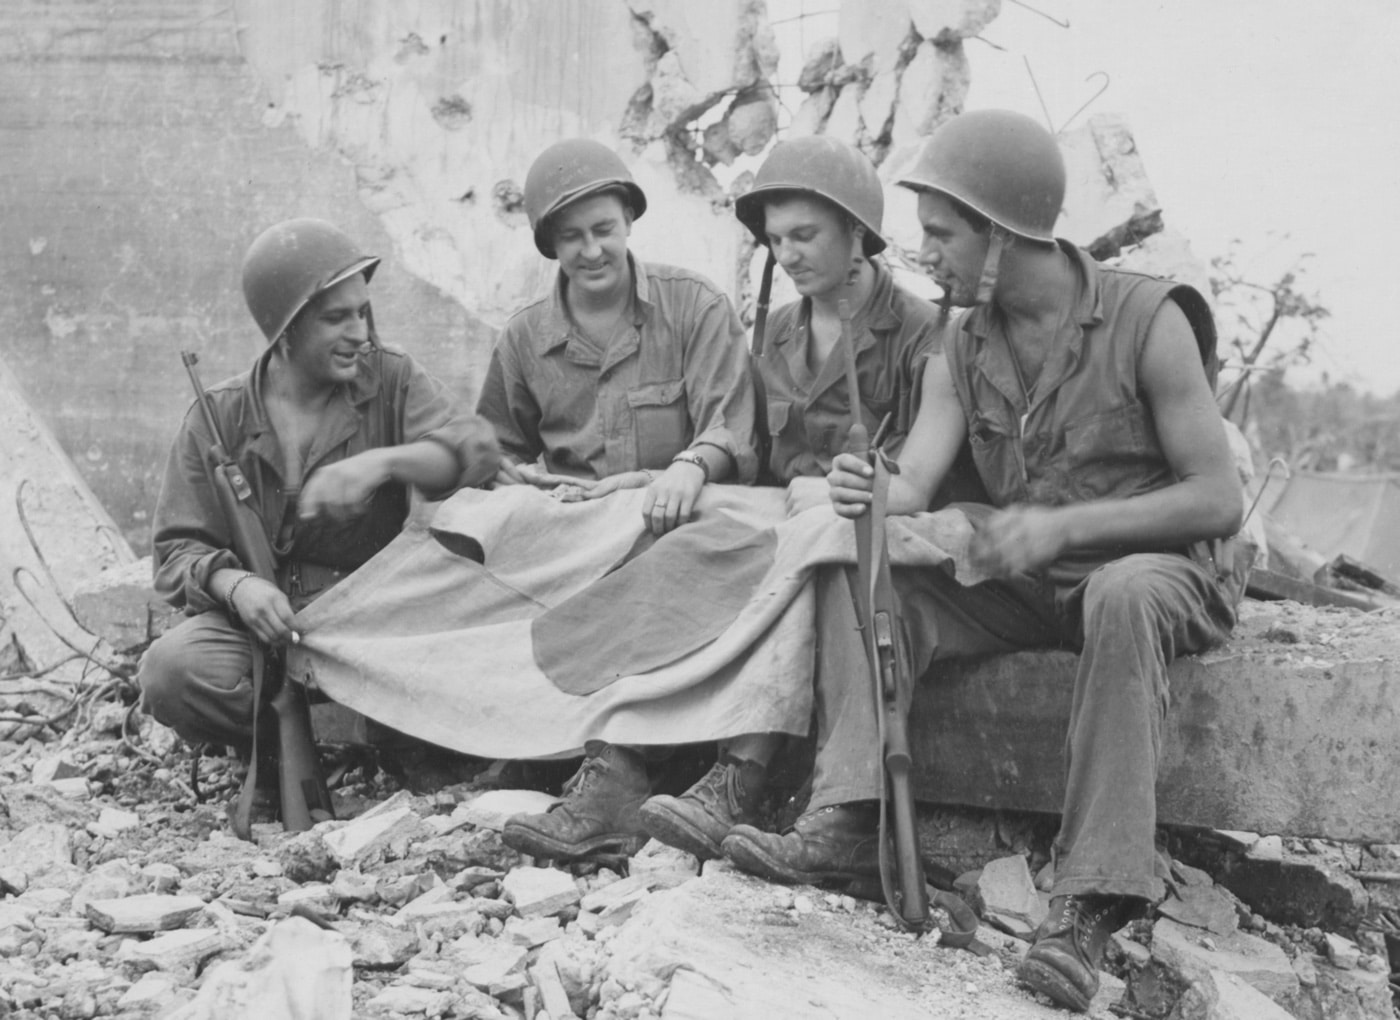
pixel 264 610
pixel 804 493
pixel 670 500
pixel 342 489
pixel 850 483
pixel 1019 540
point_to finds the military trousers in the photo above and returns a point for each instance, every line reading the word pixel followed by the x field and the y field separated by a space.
pixel 1129 619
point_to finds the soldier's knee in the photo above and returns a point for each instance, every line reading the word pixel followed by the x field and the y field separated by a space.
pixel 162 675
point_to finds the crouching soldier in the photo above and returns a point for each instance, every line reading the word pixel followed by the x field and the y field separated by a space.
pixel 817 206
pixel 331 431
pixel 626 374
pixel 1095 432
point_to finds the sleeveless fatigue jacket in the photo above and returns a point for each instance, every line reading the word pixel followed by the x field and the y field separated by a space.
pixel 1086 435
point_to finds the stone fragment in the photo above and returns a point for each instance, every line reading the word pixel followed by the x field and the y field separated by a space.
pixel 424 902
pixel 153 991
pixel 1008 895
pixel 663 867
pixel 1304 892
pixel 488 963
pixel 113 822
pixel 111 880
pixel 120 604
pixel 75 787
pixel 1306 970
pixel 545 977
pixel 422 975
pixel 533 932
pixel 379 946
pixel 538 892
pixel 220 852
pixel 615 892
pixel 1342 952
pixel 294 970
pixel 1202 906
pixel 364 838
pixel 51 768
pixel 1266 848
pixel 38 850
pixel 491 809
pixel 353 886
pixel 181 951
pixel 1258 963
pixel 1341 995
pixel 404 998
pixel 318 896
pixel 150 912
pixel 162 877
pixel 303 857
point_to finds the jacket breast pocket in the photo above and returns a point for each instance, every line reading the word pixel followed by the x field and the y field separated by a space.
pixel 996 458
pixel 661 422
pixel 1107 448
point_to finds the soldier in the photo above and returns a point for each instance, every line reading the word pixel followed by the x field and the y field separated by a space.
pixel 817 206
pixel 1095 432
pixel 331 430
pixel 627 374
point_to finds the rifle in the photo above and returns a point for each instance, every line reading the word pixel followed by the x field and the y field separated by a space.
pixel 302 790
pixel 901 880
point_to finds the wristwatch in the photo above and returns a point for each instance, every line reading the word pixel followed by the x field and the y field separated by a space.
pixel 691 457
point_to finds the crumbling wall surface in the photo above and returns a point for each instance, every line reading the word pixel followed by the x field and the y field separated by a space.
pixel 135 167
pixel 440 107
pixel 53 535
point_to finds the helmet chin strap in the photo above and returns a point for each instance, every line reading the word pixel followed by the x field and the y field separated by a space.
pixel 991 265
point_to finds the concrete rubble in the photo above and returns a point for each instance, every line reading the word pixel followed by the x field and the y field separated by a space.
pixel 403 907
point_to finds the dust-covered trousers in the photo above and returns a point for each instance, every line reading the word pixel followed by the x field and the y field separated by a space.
pixel 197 678
pixel 1130 618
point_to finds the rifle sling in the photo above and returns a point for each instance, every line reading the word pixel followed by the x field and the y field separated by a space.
pixel 242 821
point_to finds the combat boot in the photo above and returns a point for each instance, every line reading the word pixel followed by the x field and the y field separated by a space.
pixel 838 844
pixel 597 815
pixel 1063 961
pixel 699 819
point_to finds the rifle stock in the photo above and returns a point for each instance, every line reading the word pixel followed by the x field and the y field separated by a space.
pixel 902 880
pixel 304 798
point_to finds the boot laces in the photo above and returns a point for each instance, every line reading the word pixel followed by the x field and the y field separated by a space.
pixel 1081 920
pixel 721 784
pixel 580 782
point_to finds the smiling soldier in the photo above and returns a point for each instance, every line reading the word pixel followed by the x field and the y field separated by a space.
pixel 331 431
pixel 625 375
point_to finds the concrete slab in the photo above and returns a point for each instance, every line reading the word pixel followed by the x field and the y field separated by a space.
pixel 1288 736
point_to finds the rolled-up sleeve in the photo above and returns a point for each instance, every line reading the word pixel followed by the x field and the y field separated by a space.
pixel 191 540
pixel 428 411
pixel 719 386
pixel 506 401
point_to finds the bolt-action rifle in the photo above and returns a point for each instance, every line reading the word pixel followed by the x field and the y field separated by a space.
pixel 901 879
pixel 302 789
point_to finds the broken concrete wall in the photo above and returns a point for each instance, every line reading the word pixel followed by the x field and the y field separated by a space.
pixel 1289 728
pixel 135 168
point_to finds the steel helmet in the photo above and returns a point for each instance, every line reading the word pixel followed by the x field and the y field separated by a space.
pixel 823 166
pixel 1002 164
pixel 567 171
pixel 293 261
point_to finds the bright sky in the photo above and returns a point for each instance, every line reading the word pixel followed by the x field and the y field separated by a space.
pixel 1256 119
